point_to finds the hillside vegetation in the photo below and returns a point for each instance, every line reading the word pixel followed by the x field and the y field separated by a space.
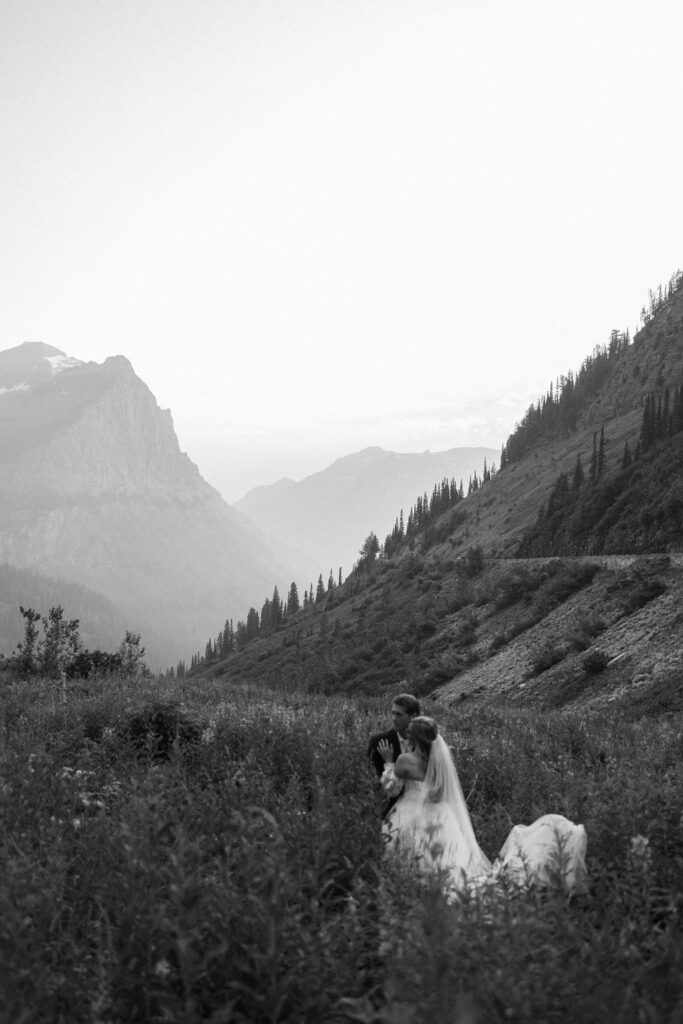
pixel 201 853
pixel 206 846
pixel 513 591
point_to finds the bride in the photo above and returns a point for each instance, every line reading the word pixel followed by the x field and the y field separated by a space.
pixel 431 825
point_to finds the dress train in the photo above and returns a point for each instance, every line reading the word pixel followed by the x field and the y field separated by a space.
pixel 433 829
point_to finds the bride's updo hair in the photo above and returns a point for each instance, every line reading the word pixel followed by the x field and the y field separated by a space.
pixel 423 731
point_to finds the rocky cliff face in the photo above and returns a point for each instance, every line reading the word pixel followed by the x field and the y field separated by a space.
pixel 92 430
pixel 96 491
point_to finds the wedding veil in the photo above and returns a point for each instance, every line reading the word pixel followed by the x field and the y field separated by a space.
pixel 442 786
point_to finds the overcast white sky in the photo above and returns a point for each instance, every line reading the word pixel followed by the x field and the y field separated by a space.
pixel 317 225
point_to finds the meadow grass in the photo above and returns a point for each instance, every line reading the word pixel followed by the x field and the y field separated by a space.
pixel 183 852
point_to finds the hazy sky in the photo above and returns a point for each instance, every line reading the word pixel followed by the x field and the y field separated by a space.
pixel 317 225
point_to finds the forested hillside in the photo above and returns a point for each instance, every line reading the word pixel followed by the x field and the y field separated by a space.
pixel 593 469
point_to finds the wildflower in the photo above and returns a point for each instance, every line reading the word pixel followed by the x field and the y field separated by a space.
pixel 162 968
pixel 111 790
pixel 352 905
pixel 639 845
pixel 90 800
pixel 639 853
pixel 76 823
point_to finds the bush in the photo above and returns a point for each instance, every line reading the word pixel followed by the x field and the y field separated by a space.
pixel 545 656
pixel 425 628
pixel 644 591
pixel 516 584
pixel 158 727
pixel 595 661
pixel 473 561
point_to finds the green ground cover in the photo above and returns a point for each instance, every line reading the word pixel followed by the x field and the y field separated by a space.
pixel 182 852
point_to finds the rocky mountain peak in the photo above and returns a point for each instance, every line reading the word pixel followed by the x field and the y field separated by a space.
pixel 32 363
pixel 69 427
pixel 96 492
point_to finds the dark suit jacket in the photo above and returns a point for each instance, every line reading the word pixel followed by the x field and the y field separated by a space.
pixel 377 760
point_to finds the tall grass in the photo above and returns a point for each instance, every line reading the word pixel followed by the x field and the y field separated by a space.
pixel 191 854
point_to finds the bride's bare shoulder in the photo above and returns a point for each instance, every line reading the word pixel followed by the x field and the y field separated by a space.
pixel 410 766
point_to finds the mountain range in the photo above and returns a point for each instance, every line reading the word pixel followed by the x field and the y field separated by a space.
pixel 97 493
pixel 103 513
pixel 557 580
pixel 326 516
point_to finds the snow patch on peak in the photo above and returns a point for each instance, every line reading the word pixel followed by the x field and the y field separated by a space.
pixel 15 387
pixel 62 362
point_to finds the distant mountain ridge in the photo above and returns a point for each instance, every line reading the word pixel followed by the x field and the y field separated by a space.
pixel 327 515
pixel 592 619
pixel 96 491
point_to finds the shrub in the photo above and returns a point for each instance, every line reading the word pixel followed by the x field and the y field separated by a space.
pixel 587 624
pixel 473 561
pixel 645 590
pixel 595 661
pixel 158 727
pixel 545 656
pixel 498 641
pixel 515 585
pixel 425 628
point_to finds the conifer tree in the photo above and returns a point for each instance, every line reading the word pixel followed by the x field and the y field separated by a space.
pixel 228 637
pixel 601 453
pixel 648 431
pixel 370 549
pixel 293 599
pixel 626 458
pixel 252 625
pixel 132 654
pixel 593 467
pixel 320 590
pixel 666 415
pixel 276 609
pixel 678 410
pixel 578 478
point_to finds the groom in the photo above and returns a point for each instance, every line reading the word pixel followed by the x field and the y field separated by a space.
pixel 404 708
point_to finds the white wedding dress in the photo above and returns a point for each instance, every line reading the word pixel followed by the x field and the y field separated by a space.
pixel 430 826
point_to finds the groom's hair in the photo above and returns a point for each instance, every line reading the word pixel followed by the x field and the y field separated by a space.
pixel 410 704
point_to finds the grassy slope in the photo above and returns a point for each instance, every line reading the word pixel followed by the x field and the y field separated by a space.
pixel 515 631
pixel 424 615
pixel 212 853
